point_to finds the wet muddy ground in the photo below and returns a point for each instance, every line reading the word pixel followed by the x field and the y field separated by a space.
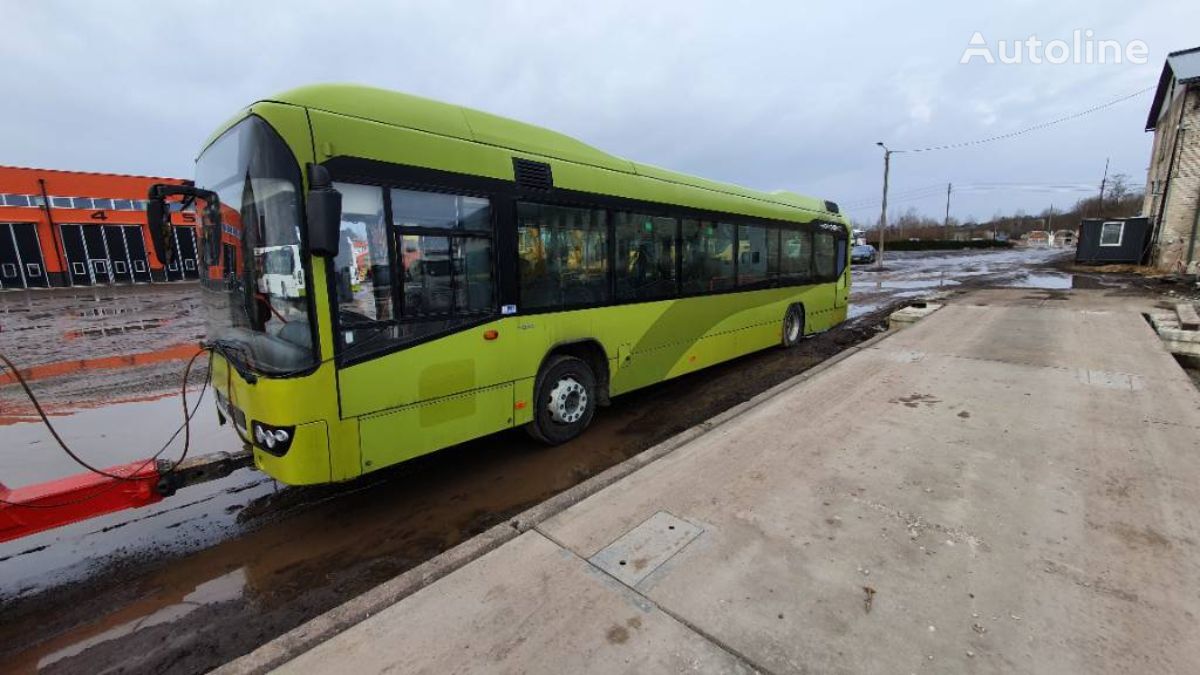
pixel 218 569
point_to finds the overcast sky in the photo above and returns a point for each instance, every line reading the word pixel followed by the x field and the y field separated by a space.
pixel 784 95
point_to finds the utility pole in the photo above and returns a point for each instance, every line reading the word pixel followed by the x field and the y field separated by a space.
pixel 887 162
pixel 946 225
pixel 1103 180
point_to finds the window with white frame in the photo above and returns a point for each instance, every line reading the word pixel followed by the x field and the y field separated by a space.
pixel 1112 233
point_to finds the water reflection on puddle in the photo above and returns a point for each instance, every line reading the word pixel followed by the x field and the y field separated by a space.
pixel 222 589
pixel 912 275
pixel 1046 280
pixel 107 436
pixel 911 284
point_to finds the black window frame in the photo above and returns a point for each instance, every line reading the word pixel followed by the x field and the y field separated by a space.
pixel 504 196
pixel 396 233
pixel 350 354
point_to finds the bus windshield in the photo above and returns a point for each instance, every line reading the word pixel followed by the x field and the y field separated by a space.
pixel 252 318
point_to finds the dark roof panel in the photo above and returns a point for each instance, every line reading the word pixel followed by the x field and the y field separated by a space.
pixel 1182 66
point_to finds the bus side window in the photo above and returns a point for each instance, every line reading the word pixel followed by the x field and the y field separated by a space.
pixel 362 268
pixel 444 246
pixel 562 256
pixel 645 256
pixel 796 259
pixel 773 252
pixel 826 255
pixel 707 256
pixel 753 254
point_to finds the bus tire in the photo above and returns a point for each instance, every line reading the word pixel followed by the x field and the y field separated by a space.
pixel 793 326
pixel 564 400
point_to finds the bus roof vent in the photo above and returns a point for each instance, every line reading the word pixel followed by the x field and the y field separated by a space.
pixel 831 207
pixel 534 175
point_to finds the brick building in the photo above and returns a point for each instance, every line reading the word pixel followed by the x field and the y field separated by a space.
pixel 1173 183
pixel 69 228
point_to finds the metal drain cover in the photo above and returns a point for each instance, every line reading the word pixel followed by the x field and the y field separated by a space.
pixel 640 551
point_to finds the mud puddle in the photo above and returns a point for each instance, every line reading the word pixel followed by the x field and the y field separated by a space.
pixel 913 274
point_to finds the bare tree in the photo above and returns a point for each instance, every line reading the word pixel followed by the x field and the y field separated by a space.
pixel 1118 188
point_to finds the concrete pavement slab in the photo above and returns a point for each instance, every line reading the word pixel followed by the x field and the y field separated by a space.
pixel 1008 485
pixel 1004 513
pixel 495 615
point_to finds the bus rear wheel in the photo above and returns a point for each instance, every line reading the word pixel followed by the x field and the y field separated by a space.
pixel 793 326
pixel 565 396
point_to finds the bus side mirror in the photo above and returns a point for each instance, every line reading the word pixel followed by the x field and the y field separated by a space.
pixel 324 212
pixel 158 216
pixel 158 220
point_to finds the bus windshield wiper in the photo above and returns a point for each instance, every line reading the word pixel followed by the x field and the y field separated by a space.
pixel 233 353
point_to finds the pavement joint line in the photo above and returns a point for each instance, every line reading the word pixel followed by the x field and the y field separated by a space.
pixel 324 626
pixel 712 639
pixel 984 359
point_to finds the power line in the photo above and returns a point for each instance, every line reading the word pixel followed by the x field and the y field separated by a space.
pixel 1043 125
pixel 976 188
pixel 906 193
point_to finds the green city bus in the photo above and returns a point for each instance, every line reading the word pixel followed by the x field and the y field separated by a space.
pixel 464 273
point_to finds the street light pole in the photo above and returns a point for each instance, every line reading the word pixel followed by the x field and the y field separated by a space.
pixel 887 162
pixel 946 222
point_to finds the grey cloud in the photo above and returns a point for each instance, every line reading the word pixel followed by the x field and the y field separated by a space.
pixel 769 95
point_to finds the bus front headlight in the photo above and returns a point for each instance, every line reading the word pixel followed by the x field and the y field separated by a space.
pixel 272 439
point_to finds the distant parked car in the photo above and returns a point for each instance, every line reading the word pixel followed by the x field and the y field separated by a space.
pixel 863 253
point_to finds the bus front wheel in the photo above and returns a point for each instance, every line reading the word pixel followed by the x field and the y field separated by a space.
pixel 565 393
pixel 793 326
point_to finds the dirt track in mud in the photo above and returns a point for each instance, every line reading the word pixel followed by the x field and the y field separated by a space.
pixel 190 587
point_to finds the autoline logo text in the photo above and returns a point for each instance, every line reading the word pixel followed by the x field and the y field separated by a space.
pixel 1082 47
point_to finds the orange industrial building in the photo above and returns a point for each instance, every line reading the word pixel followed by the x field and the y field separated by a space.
pixel 71 228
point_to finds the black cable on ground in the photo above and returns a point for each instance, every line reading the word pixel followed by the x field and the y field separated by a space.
pixel 185 427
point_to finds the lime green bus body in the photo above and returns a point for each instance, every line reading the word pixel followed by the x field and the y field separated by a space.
pixel 353 418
